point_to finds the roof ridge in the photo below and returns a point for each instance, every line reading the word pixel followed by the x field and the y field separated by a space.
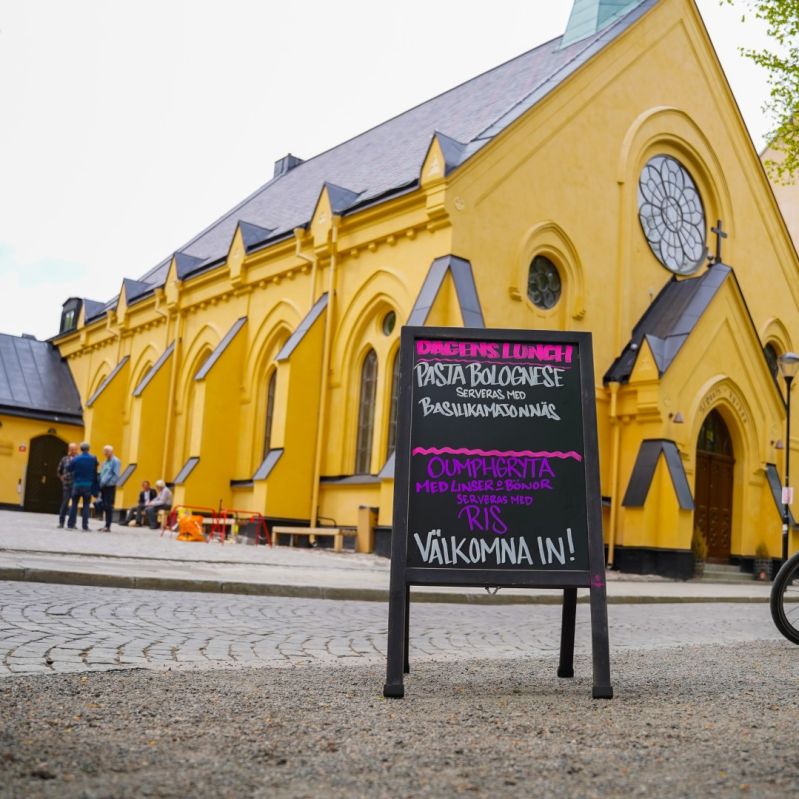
pixel 208 227
pixel 318 155
pixel 429 100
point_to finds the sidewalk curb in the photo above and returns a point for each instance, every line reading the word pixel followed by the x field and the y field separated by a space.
pixel 15 574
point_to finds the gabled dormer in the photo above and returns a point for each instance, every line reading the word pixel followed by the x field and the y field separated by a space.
pixel 443 155
pixel 246 236
pixel 333 201
pixel 185 264
pixel 70 313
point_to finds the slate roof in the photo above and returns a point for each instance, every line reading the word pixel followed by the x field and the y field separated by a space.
pixel 387 159
pixel 643 473
pixel 35 382
pixel 465 289
pixel 669 320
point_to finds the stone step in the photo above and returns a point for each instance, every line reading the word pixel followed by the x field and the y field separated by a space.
pixel 725 573
pixel 722 568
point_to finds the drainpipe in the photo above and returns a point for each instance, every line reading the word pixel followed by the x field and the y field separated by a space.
pixel 169 433
pixel 326 347
pixel 614 470
pixel 312 260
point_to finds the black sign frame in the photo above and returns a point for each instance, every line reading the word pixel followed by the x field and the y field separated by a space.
pixel 403 576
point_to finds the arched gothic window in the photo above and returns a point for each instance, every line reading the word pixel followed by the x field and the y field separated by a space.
pixel 393 407
pixel 366 414
pixel 772 357
pixel 271 384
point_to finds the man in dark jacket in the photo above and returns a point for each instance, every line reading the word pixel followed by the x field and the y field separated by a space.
pixel 65 476
pixel 146 494
pixel 84 483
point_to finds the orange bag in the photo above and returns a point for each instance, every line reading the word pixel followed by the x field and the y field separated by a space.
pixel 190 528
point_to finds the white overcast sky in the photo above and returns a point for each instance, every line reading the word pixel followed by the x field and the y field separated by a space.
pixel 126 127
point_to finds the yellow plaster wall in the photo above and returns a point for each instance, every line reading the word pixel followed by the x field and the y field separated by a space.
pixel 146 434
pixel 561 181
pixel 337 501
pixel 572 165
pixel 105 419
pixel 287 492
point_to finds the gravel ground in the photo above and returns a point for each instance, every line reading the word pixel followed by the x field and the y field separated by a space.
pixel 704 721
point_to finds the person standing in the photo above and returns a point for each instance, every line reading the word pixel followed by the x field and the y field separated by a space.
pixel 109 474
pixel 83 468
pixel 65 476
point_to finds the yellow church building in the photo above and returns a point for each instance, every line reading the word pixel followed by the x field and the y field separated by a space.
pixel 603 181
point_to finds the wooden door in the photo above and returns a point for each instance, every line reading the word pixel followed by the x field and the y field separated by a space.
pixel 42 486
pixel 715 466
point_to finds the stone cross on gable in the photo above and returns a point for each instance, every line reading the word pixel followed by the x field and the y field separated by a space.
pixel 720 234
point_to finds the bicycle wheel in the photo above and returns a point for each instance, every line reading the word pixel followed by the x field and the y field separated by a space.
pixel 785 599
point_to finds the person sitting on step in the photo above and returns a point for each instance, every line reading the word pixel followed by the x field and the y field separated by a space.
pixel 162 501
pixel 136 514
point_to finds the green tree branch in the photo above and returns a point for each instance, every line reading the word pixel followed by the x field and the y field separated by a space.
pixel 782 65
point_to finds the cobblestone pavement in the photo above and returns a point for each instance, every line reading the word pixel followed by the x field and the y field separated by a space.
pixel 60 628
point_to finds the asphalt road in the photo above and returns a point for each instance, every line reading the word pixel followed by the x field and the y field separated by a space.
pixel 690 721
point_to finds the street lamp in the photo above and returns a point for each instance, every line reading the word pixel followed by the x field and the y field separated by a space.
pixel 789 366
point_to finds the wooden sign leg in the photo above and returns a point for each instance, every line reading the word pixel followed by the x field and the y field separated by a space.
pixel 566 666
pixel 397 631
pixel 407 665
pixel 599 638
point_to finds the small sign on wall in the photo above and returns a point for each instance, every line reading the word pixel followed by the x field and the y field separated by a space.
pixel 787 495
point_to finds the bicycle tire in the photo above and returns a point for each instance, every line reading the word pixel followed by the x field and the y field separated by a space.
pixel 787 583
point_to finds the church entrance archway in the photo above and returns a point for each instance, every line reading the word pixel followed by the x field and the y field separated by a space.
pixel 42 486
pixel 715 465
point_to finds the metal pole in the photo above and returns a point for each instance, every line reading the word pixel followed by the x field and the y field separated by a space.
pixel 786 517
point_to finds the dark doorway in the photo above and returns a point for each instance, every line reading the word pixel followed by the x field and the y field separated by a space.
pixel 42 486
pixel 715 464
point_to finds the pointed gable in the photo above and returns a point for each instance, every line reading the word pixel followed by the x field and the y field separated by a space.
pixel 669 321
pixel 92 309
pixel 135 289
pixel 186 264
pixel 340 198
pixel 252 235
pixel 466 291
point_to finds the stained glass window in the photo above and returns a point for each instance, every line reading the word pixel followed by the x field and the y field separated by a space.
pixel 271 385
pixel 773 359
pixel 672 215
pixel 543 283
pixel 389 322
pixel 366 414
pixel 714 435
pixel 392 413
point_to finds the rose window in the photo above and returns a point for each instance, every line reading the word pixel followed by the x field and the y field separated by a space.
pixel 672 215
pixel 543 283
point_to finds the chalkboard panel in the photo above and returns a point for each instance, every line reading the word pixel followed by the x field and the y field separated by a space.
pixel 496 476
pixel 497 462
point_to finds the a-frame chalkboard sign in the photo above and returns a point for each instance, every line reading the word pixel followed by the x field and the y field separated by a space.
pixel 496 479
